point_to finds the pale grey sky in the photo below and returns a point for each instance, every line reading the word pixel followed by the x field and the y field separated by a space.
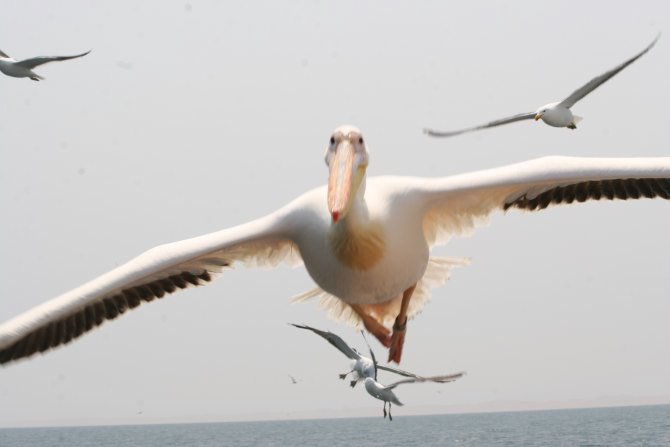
pixel 189 117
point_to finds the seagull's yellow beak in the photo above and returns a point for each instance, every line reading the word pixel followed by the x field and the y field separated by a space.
pixel 538 116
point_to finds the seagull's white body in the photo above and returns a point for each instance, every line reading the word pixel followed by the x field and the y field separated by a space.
pixel 381 392
pixel 385 392
pixel 555 114
pixel 24 68
pixel 364 250
pixel 362 368
pixel 9 67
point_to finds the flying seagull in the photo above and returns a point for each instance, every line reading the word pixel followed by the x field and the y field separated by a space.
pixel 555 114
pixel 365 369
pixel 366 243
pixel 24 69
pixel 361 366
pixel 385 392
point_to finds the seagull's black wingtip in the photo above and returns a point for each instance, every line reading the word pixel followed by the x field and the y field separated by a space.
pixel 435 133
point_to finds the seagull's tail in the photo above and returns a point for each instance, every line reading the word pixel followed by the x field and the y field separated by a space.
pixel 576 119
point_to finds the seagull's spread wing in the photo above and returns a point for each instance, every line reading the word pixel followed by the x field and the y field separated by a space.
pixel 500 122
pixel 599 80
pixel 5 55
pixel 456 205
pixel 40 60
pixel 436 379
pixel 374 361
pixel 155 273
pixel 334 340
pixel 372 355
pixel 415 377
pixel 400 372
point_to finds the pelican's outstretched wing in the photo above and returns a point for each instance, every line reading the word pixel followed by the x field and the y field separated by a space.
pixel 457 204
pixel 155 273
pixel 500 122
pixel 436 379
pixel 600 80
pixel 41 60
pixel 334 340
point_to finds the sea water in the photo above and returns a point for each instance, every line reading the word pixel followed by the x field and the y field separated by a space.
pixel 621 426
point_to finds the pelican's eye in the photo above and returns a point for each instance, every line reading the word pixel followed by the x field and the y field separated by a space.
pixel 332 140
pixel 360 140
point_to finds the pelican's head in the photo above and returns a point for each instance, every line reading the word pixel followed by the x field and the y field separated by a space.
pixel 347 159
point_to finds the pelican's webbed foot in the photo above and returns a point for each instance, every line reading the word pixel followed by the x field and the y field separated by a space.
pixel 373 326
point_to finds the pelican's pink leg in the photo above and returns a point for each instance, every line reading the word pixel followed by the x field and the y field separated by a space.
pixel 400 327
pixel 373 326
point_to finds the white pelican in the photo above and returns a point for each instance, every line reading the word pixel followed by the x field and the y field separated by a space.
pixel 361 366
pixel 555 114
pixel 24 69
pixel 366 244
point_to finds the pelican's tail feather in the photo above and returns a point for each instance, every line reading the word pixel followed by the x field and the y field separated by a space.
pixel 337 309
pixel 436 274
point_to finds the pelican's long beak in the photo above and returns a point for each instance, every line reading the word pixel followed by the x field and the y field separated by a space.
pixel 538 116
pixel 341 180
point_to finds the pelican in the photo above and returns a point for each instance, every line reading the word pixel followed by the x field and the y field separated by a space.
pixel 24 68
pixel 362 367
pixel 365 243
pixel 555 114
